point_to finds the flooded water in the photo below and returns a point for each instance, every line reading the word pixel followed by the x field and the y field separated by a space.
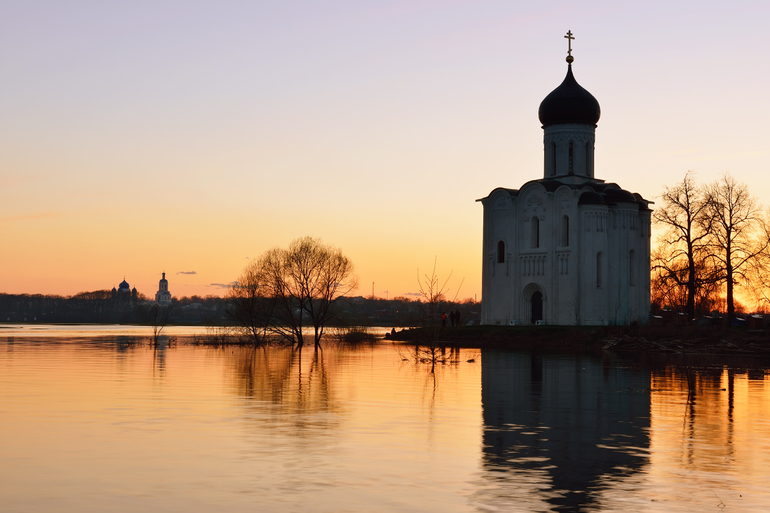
pixel 105 422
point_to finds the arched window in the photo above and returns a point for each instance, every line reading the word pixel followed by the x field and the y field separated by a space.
pixel 599 269
pixel 631 273
pixel 535 232
pixel 501 252
pixel 553 159
pixel 588 160
pixel 570 160
pixel 565 231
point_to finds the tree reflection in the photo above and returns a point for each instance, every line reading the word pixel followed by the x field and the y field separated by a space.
pixel 159 347
pixel 717 397
pixel 294 380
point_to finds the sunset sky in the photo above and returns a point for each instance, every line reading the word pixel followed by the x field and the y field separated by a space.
pixel 189 136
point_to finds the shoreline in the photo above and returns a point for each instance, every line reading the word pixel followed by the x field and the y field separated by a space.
pixel 712 341
pixel 686 340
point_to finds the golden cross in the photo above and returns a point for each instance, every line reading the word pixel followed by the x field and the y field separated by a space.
pixel 569 39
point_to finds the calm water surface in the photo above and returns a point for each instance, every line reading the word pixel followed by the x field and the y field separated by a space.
pixel 101 422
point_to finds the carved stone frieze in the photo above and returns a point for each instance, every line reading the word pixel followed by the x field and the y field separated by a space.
pixel 502 204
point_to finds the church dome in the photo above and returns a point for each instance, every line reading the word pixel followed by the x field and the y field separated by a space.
pixel 591 198
pixel 124 285
pixel 569 103
pixel 619 196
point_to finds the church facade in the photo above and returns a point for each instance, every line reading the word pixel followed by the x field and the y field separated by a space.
pixel 568 248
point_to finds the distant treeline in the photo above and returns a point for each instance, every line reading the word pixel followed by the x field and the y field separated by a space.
pixel 399 311
pixel 101 307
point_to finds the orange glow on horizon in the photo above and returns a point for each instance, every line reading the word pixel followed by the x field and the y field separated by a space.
pixel 376 130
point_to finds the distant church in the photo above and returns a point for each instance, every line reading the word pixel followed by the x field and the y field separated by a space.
pixel 163 296
pixel 124 291
pixel 568 248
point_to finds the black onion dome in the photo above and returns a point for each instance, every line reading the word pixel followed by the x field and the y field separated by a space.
pixel 569 103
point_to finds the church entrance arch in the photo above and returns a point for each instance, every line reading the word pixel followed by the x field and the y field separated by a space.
pixel 533 304
pixel 537 307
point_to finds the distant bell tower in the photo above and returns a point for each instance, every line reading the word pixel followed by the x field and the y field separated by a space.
pixel 163 296
pixel 569 115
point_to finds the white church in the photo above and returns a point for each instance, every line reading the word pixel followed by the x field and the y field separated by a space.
pixel 568 248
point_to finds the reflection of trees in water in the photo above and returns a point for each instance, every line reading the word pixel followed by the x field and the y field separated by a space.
pixel 293 379
pixel 159 347
pixel 126 346
pixel 560 430
pixel 428 376
pixel 704 392
pixel 429 357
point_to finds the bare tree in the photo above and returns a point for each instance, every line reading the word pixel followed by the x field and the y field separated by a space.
pixel 300 286
pixel 248 306
pixel 668 283
pixel 433 294
pixel 759 274
pixel 738 235
pixel 433 303
pixel 158 317
pixel 684 216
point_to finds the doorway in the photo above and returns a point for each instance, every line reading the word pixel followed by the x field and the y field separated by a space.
pixel 537 306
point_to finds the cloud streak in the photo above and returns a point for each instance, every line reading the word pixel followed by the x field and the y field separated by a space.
pixel 187 272
pixel 222 285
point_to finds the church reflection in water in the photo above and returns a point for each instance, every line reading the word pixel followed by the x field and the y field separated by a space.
pixel 558 430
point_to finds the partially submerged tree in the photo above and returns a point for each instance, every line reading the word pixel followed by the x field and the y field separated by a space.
pixel 433 296
pixel 158 317
pixel 433 292
pixel 247 304
pixel 296 287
